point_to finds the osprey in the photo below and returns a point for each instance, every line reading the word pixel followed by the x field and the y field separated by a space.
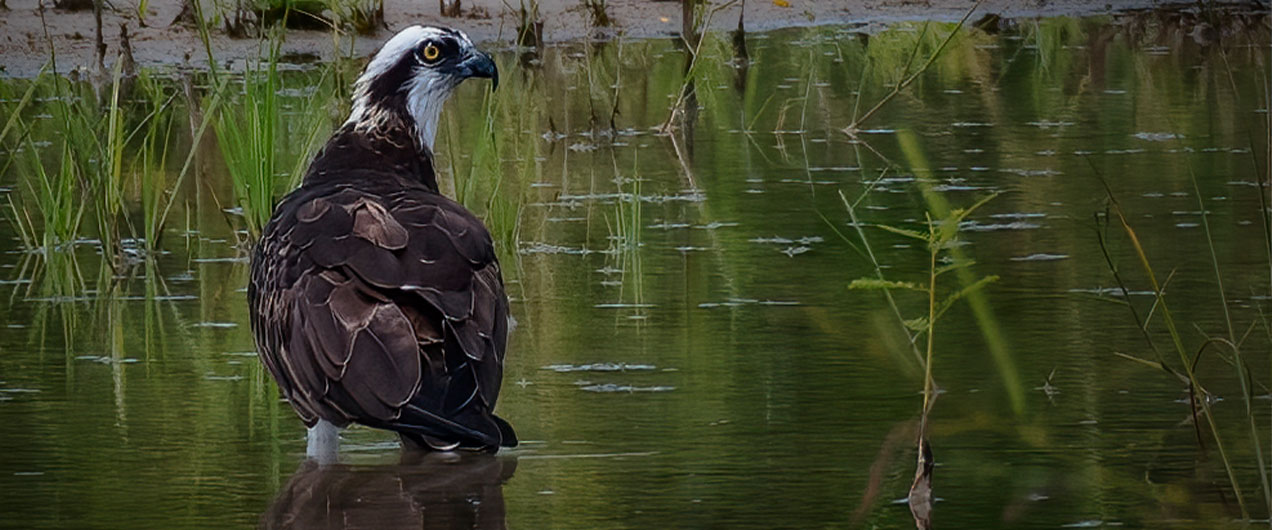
pixel 375 299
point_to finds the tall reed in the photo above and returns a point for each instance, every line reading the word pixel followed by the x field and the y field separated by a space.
pixel 151 162
pixel 247 137
pixel 256 131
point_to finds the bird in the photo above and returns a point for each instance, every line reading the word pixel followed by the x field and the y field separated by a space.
pixel 375 299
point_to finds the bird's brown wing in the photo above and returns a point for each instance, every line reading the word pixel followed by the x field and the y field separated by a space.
pixel 384 307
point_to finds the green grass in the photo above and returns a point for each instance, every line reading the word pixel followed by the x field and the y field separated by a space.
pixel 476 164
pixel 257 132
pixel 1200 397
pixel 940 241
pixel 247 130
pixel 151 162
pixel 55 197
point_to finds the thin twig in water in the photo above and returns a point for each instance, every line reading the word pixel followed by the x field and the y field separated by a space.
pixel 1197 393
pixel 851 130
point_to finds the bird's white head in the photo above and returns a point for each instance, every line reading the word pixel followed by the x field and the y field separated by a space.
pixel 411 77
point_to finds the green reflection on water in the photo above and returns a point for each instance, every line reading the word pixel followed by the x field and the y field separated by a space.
pixel 758 390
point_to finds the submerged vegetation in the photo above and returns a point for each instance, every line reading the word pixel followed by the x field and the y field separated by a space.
pixel 681 177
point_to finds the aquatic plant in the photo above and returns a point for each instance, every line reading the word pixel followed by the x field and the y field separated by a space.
pixel 150 163
pixel 91 179
pixel 529 24
pixel 106 174
pixel 56 198
pixel 481 184
pixel 1232 346
pixel 244 18
pixel 247 136
pixel 909 77
pixel 599 12
pixel 940 240
pixel 256 130
pixel 1200 399
pixel 362 16
pixel 625 240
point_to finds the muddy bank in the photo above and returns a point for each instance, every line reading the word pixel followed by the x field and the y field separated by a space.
pixel 155 40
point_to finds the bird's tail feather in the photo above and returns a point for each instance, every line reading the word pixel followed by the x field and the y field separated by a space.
pixel 430 430
pixel 507 438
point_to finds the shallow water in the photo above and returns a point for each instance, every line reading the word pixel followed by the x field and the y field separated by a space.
pixel 688 353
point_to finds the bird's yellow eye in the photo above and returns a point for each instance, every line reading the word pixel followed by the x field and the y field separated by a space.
pixel 432 52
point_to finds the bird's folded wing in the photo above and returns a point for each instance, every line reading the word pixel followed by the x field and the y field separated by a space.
pixel 397 313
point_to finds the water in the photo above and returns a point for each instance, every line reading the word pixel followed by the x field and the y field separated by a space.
pixel 688 353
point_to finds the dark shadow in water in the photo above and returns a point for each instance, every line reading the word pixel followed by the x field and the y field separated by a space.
pixel 741 57
pixel 426 490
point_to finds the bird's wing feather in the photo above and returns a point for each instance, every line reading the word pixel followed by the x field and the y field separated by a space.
pixel 394 312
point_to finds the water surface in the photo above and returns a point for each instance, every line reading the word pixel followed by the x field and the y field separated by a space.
pixel 688 353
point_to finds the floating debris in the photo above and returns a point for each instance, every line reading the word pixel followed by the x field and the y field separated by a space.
pixel 1157 136
pixel 1042 256
pixel 1031 172
pixel 795 251
pixel 1089 523
pixel 974 226
pixel 808 240
pixel 537 247
pixel 214 377
pixel 611 388
pixel 623 306
pixel 219 325
pixel 103 359
pixel 169 298
pixel 1047 124
pixel 1110 291
pixel 682 196
pixel 601 455
pixel 714 225
pixel 599 367
pixel 736 302
pixel 957 187
pixel 807 181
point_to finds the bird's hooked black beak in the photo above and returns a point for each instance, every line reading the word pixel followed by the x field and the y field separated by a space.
pixel 479 64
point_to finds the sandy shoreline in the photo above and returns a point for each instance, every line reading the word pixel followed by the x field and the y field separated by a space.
pixel 24 48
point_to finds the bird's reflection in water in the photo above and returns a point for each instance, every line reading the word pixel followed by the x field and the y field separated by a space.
pixel 426 490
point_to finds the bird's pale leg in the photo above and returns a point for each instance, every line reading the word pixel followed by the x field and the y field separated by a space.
pixel 323 442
